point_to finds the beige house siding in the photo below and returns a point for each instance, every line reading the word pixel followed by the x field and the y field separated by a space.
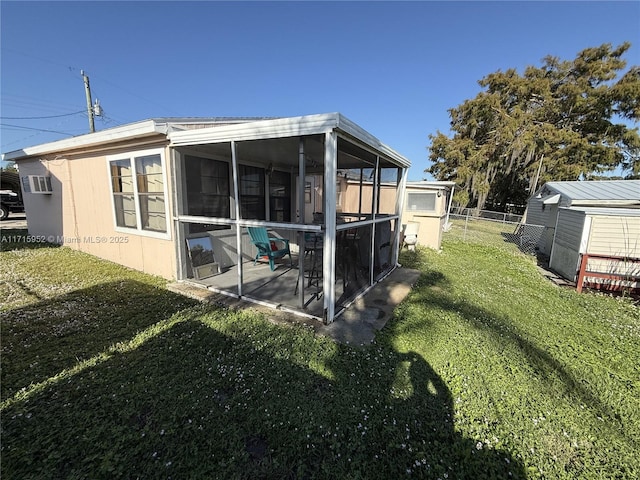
pixel 615 235
pixel 431 222
pixel 79 213
pixel 349 201
pixel 430 230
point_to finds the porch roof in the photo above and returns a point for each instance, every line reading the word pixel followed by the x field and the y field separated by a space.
pixel 285 127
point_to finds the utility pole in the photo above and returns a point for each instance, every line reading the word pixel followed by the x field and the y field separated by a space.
pixel 535 184
pixel 87 89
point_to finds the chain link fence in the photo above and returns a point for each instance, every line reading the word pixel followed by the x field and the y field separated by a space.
pixel 494 228
pixel 504 217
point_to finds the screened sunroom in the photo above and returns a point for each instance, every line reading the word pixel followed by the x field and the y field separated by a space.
pixel 301 214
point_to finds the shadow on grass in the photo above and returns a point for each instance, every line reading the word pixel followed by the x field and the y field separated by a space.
pixel 44 338
pixel 19 239
pixel 503 330
pixel 194 402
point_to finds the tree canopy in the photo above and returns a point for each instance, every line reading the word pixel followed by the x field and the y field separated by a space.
pixel 565 120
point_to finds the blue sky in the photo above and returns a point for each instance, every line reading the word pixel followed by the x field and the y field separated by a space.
pixel 394 68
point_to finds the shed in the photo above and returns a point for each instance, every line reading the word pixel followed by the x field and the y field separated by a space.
pixel 601 231
pixel 543 207
pixel 175 197
pixel 428 204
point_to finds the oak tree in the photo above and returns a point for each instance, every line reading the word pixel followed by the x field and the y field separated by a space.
pixel 564 120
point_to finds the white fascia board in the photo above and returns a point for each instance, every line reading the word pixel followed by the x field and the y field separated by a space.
pixel 284 127
pixel 435 185
pixel 125 132
pixel 256 130
pixel 608 211
pixel 552 200
pixel 604 203
pixel 350 128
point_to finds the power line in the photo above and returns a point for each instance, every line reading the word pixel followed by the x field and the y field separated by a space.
pixel 41 118
pixel 76 72
pixel 36 129
pixel 133 94
pixel 32 103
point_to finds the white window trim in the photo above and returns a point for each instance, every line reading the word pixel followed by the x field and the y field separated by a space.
pixel 131 156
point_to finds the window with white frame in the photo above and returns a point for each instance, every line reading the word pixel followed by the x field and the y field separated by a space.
pixel 421 201
pixel 138 189
pixel 252 201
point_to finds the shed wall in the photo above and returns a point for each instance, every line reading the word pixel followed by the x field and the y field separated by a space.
pixel 535 213
pixel 565 254
pixel 545 215
pixel 615 235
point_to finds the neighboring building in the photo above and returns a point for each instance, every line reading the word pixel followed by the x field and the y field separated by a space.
pixel 543 206
pixel 428 205
pixel 611 232
pixel 145 195
pixel 591 217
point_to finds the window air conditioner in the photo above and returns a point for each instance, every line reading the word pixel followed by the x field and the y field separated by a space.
pixel 37 184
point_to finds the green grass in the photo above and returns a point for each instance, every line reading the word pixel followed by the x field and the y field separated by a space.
pixel 483 231
pixel 485 371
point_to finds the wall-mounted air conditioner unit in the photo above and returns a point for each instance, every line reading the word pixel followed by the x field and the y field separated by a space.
pixel 36 184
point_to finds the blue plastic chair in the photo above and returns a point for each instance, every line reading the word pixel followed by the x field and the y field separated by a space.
pixel 269 247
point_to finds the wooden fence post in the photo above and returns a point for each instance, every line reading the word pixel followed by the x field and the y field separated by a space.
pixel 581 272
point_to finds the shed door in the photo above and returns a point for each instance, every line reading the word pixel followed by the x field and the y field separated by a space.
pixel 571 228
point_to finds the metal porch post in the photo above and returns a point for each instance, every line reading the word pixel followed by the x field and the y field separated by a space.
pixel 399 209
pixel 329 251
pixel 374 225
pixel 301 214
pixel 236 197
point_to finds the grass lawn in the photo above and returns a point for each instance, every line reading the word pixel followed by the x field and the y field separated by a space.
pixel 486 371
pixel 479 230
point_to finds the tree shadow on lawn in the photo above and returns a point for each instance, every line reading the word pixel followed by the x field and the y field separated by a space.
pixel 503 330
pixel 42 339
pixel 192 402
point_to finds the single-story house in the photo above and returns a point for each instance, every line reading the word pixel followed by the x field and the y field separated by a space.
pixel 177 197
pixel 586 217
pixel 427 206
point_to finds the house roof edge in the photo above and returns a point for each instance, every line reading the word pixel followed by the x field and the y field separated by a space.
pixel 130 130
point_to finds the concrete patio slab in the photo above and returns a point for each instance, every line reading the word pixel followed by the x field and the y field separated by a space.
pixel 357 325
pixel 370 313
